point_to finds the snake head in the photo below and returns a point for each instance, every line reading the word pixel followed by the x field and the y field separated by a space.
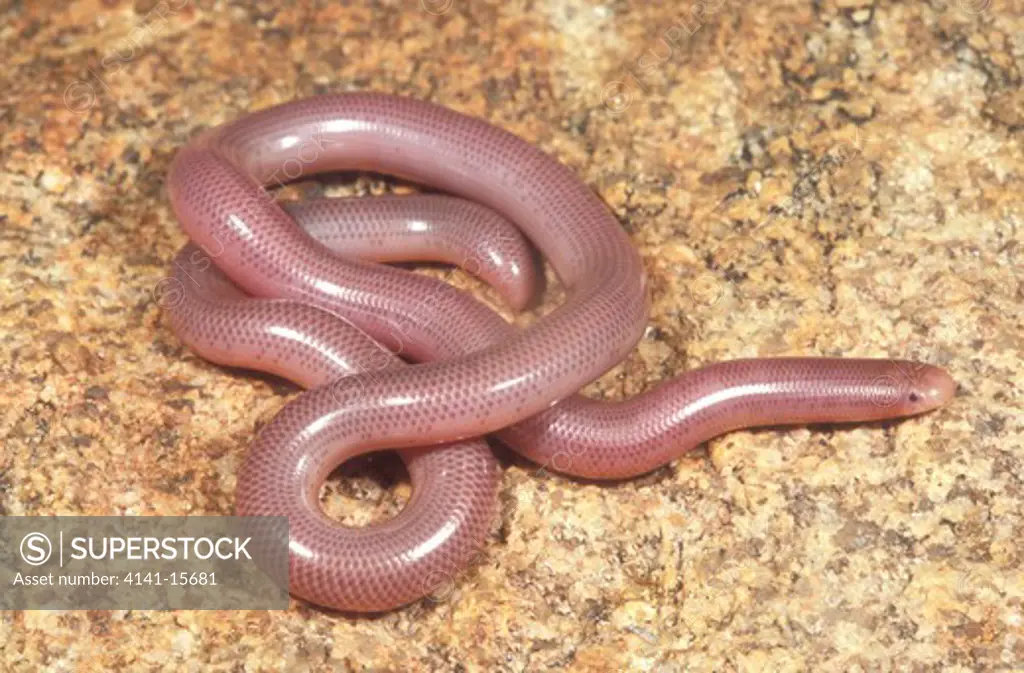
pixel 923 388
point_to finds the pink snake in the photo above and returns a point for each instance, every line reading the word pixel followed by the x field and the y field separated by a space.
pixel 257 291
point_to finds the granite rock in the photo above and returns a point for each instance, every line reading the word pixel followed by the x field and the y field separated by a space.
pixel 841 177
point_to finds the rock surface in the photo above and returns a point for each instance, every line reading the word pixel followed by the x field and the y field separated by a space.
pixel 832 178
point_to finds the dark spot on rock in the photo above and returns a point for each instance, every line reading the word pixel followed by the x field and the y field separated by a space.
pixel 856 535
pixel 96 393
pixel 995 424
pixel 723 175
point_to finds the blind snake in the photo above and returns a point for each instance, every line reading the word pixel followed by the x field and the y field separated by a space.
pixel 309 303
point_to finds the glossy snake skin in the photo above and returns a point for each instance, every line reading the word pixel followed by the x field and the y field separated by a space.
pixel 305 302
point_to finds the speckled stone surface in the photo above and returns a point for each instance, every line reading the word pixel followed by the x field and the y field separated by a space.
pixel 838 177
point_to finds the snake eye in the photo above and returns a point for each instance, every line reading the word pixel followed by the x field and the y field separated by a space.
pixel 914 397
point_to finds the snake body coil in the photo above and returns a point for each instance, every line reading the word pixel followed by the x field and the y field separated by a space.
pixel 307 303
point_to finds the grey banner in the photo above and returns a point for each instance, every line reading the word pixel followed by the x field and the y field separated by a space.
pixel 143 563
